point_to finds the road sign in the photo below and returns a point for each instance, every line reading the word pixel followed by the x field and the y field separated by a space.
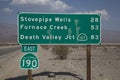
pixel 35 28
pixel 29 48
pixel 29 61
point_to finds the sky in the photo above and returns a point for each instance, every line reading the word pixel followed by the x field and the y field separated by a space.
pixel 108 8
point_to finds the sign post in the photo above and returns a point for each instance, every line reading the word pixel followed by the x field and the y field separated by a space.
pixel 29 62
pixel 58 29
pixel 29 74
pixel 88 52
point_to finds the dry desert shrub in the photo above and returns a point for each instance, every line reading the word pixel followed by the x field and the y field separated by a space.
pixel 105 49
pixel 45 47
pixel 61 51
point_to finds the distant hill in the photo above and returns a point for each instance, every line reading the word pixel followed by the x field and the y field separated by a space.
pixel 8 34
pixel 110 36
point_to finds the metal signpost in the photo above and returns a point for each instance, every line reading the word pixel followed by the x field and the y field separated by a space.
pixel 29 62
pixel 88 49
pixel 25 61
pixel 57 29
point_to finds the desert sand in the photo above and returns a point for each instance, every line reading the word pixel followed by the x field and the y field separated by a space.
pixel 105 64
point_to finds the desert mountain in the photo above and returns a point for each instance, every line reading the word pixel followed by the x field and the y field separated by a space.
pixel 8 33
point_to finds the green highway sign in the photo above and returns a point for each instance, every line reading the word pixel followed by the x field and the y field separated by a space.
pixel 29 48
pixel 39 28
pixel 29 61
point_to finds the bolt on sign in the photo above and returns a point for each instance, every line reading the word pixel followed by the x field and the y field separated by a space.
pixel 37 28
pixel 29 61
pixel 29 48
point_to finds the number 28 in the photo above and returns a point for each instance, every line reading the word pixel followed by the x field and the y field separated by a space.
pixel 92 19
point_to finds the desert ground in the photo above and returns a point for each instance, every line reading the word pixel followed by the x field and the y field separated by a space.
pixel 105 64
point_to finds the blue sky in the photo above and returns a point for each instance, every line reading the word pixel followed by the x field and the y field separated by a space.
pixel 108 8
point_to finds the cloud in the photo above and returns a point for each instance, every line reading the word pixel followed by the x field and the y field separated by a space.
pixel 60 5
pixel 103 12
pixel 52 4
pixel 38 2
pixel 7 10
